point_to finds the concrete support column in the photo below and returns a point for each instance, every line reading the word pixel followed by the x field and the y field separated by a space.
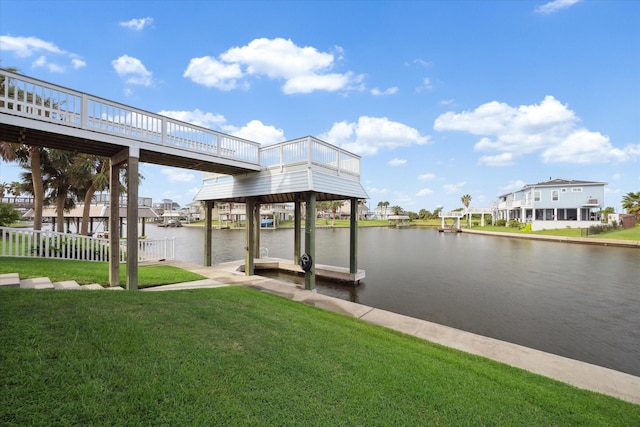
pixel 310 239
pixel 353 238
pixel 249 266
pixel 208 234
pixel 132 223
pixel 297 223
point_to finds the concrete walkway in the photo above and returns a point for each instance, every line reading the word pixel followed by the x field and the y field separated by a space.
pixel 579 374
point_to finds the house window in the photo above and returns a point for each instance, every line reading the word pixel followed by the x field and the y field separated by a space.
pixel 564 190
pixel 555 195
pixel 536 196
pixel 577 189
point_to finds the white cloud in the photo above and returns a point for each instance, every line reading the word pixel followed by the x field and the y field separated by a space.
pixel 512 186
pixel 197 117
pixel 555 5
pixel 397 162
pixel 25 47
pixel 424 192
pixel 133 70
pixel 303 69
pixel 503 159
pixel 43 62
pixel 389 91
pixel 137 24
pixel 427 177
pixel 426 85
pixel 454 188
pixel 422 63
pixel 372 134
pixel 210 72
pixel 254 131
pixel 584 147
pixel 549 128
pixel 178 175
pixel 78 63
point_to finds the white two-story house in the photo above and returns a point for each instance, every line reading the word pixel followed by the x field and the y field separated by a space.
pixel 557 203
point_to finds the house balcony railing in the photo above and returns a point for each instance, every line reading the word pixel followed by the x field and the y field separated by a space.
pixel 591 202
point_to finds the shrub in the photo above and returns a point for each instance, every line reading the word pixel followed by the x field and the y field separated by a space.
pixel 501 222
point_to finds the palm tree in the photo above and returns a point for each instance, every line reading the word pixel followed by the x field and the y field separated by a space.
pixel 397 210
pixel 59 183
pixel 88 174
pixel 631 202
pixel 466 199
pixel 383 205
pixel 334 206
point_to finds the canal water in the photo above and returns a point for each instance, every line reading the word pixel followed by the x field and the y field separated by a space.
pixel 577 301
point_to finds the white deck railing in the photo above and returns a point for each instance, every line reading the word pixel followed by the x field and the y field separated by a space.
pixel 27 243
pixel 310 150
pixel 35 99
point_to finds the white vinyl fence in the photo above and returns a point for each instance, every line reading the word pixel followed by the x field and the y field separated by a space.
pixel 19 242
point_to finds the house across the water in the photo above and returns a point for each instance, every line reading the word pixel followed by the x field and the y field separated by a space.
pixel 557 203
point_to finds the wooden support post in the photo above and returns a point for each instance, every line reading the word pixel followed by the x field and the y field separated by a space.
pixel 310 239
pixel 353 238
pixel 114 234
pixel 257 224
pixel 249 266
pixel 297 223
pixel 208 235
pixel 132 223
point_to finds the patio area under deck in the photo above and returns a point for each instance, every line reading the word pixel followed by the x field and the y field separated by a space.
pixel 305 170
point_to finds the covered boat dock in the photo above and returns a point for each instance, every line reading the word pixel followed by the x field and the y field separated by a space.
pixel 301 171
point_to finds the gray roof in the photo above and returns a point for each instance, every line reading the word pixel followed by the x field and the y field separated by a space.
pixel 560 181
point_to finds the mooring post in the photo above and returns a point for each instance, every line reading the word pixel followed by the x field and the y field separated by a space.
pixel 310 239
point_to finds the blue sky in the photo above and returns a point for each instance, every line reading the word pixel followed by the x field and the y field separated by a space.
pixel 440 98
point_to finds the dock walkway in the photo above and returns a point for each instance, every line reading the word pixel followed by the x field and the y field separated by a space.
pixel 579 374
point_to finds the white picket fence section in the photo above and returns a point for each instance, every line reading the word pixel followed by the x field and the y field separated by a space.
pixel 26 243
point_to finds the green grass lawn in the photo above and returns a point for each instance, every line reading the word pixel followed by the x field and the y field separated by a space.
pixel 237 356
pixel 86 272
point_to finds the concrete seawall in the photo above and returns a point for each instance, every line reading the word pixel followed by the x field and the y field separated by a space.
pixel 560 239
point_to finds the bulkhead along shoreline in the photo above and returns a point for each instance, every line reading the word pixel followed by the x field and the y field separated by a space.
pixel 561 239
